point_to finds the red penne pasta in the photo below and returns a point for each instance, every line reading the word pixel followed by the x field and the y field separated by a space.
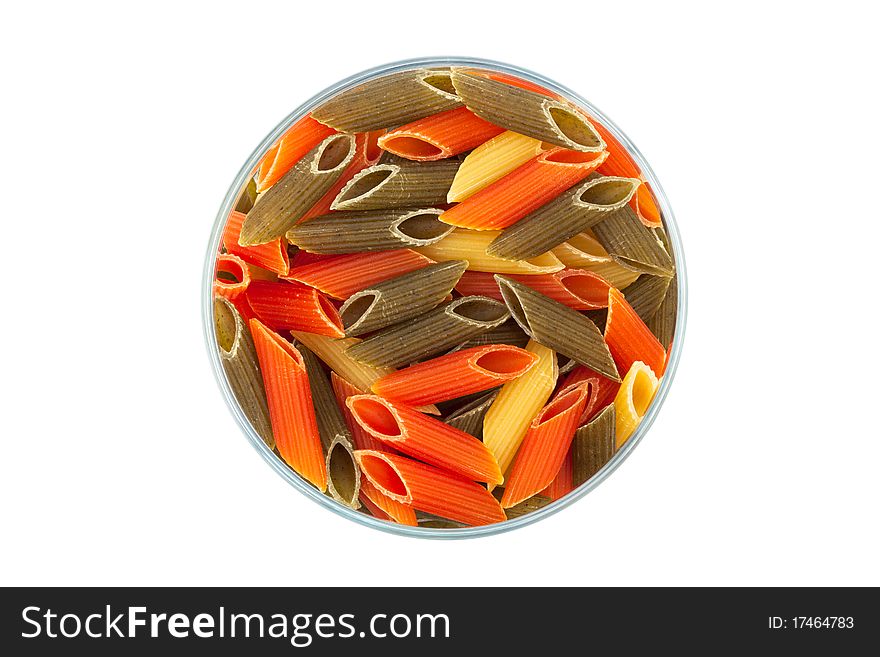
pixel 231 277
pixel 429 489
pixel 366 154
pixel 362 438
pixel 563 482
pixel 302 258
pixel 439 136
pixel 602 390
pixel 299 139
pixel 425 438
pixel 455 375
pixel 291 411
pixel 523 190
pixel 392 509
pixel 629 339
pixel 544 447
pixel 576 288
pixel 343 275
pixel 290 306
pixel 374 510
pixel 271 255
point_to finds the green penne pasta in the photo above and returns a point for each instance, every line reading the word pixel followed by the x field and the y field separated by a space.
pixel 632 245
pixel 282 205
pixel 525 507
pixel 343 475
pixel 400 184
pixel 646 295
pixel 593 446
pixel 662 324
pixel 369 230
pixel 431 521
pixel 573 212
pixel 389 101
pixel 558 327
pixel 469 418
pixel 247 198
pixel 432 333
pixel 239 359
pixel 526 112
pixel 508 333
pixel 400 298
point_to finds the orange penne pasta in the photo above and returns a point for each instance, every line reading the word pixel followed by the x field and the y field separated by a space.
pixel 544 448
pixel 628 337
pixel 231 276
pixel 429 489
pixel 343 275
pixel 425 438
pixel 362 438
pixel 290 306
pixel 390 508
pixel 576 288
pixel 291 411
pixel 271 255
pixel 514 81
pixel 366 154
pixel 455 375
pixel 439 136
pixel 602 390
pixel 563 482
pixel 299 139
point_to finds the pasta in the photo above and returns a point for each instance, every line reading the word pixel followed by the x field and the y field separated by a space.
pixel 299 139
pixel 602 390
pixel 454 375
pixel 433 333
pixel 239 359
pixel 362 439
pixel 527 506
pixel 400 298
pixel 392 509
pixel 558 327
pixel 562 218
pixel 662 324
pixel 584 252
pixel 232 277
pixel 491 161
pixel 284 204
pixel 629 339
pixel 523 190
pixel 646 294
pixel 287 306
pixel 271 255
pixel 439 136
pixel 632 245
pixel 633 399
pixel 246 199
pixel 469 418
pixel 333 353
pixel 398 184
pixel 389 101
pixel 424 438
pixel 507 333
pixel 518 402
pixel 369 230
pixel 341 276
pixel 526 112
pixel 576 288
pixel 290 405
pixel 430 489
pixel 563 482
pixel 471 245
pixel 593 445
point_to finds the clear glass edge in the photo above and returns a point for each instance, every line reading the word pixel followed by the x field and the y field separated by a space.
pixel 327 502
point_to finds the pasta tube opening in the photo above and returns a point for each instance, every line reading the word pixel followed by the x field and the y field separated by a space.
pixel 365 183
pixel 479 309
pixel 375 415
pixel 383 475
pixel 225 327
pixel 506 361
pixel 573 126
pixel 336 152
pixel 441 82
pixel 608 191
pixel 590 288
pixel 342 472
pixel 416 148
pixel 422 227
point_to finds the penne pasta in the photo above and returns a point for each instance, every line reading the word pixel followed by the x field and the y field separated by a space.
pixel 246 199
pixel 393 510
pixel 471 245
pixel 285 306
pixel 399 299
pixel 633 399
pixel 557 326
pixel 526 112
pixel 490 162
pixel 584 252
pixel 523 190
pixel 390 100
pixel 430 489
pixel 425 438
pixel 544 447
pixel 231 277
pixel 527 506
pixel 299 139
pixel 341 276
pixel 333 353
pixel 518 402
pixel 369 230
pixel 429 521
pixel 576 288
pixel 398 184
pixel 562 218
pixel 563 482
pixel 454 375
pixel 342 389
pixel 632 245
pixel 271 255
pixel 646 294
pixel 602 390
pixel 507 333
pixel 439 136
pixel 469 418
pixel 628 337
pixel 433 333
pixel 593 445
pixel 238 356
pixel 284 204
pixel 662 324
pixel 290 405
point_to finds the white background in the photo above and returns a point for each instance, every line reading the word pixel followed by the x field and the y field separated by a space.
pixel 121 131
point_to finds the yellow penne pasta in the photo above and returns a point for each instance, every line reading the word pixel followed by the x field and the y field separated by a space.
pixel 585 252
pixel 518 402
pixel 491 161
pixel 631 403
pixel 470 245
pixel 332 352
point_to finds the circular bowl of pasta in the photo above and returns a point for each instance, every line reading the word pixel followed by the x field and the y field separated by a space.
pixel 445 297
